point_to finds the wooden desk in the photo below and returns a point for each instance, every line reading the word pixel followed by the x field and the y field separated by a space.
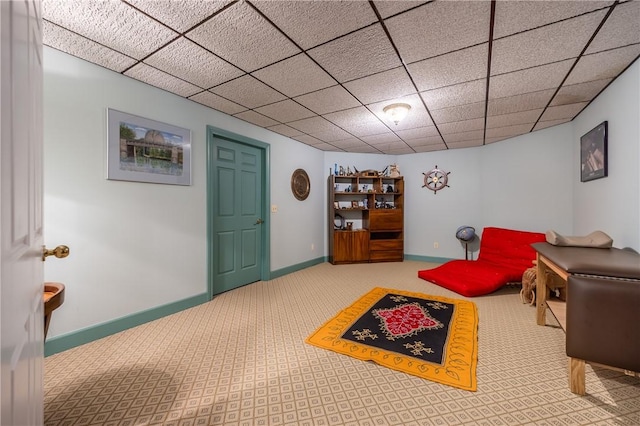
pixel 555 265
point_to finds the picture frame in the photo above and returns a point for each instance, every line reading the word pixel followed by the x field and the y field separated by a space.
pixel 336 205
pixel 354 204
pixel 140 149
pixel 594 150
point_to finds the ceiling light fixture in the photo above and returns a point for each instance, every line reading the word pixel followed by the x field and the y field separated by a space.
pixel 396 112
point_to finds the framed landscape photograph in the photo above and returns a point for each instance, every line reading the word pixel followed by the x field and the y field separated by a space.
pixel 594 153
pixel 144 150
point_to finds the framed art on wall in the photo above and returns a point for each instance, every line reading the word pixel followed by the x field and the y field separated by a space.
pixel 594 153
pixel 144 150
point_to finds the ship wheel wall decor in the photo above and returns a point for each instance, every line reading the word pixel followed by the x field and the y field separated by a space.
pixel 436 179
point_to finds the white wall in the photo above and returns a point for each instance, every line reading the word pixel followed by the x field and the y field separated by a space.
pixel 136 246
pixel 521 183
pixel 612 204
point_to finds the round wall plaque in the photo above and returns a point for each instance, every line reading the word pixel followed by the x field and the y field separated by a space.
pixel 300 185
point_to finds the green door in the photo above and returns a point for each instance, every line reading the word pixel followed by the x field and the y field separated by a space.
pixel 236 213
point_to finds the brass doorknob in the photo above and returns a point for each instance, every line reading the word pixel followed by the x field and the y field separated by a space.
pixel 59 252
pixel 259 221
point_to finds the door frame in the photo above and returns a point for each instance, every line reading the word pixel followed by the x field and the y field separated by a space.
pixel 215 132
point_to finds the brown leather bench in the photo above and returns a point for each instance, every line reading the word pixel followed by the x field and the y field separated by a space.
pixel 601 316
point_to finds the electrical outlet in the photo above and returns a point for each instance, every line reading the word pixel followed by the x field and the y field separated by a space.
pixel 436 244
pixel 274 208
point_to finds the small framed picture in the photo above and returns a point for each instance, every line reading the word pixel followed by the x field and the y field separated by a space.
pixel 336 205
pixel 593 153
pixel 354 204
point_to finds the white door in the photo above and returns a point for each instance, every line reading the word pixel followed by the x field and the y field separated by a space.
pixel 21 267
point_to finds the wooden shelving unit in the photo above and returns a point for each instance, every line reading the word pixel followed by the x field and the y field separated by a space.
pixel 366 219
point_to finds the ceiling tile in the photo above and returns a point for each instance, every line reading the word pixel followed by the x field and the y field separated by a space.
pixel 328 100
pixel 358 54
pixel 544 124
pixel 383 138
pixel 417 117
pixel 388 8
pixel 248 91
pixel 255 118
pixel 563 111
pixel 439 27
pixel 621 29
pixel 598 66
pixel 382 86
pixel 310 23
pixel 241 36
pixel 473 135
pixel 457 67
pixel 295 76
pixel 162 80
pixel 216 102
pixel 517 16
pixel 457 94
pixel 427 140
pixel 365 149
pixel 180 15
pixel 309 140
pixel 98 21
pixel 399 144
pixel 523 117
pixel 544 45
pixel 285 111
pixel 518 103
pixel 285 130
pixel 509 131
pixel 417 133
pixel 326 147
pixel 461 126
pixel 398 151
pixel 430 148
pixel 358 121
pixel 313 125
pixel 334 134
pixel 349 143
pixel 529 80
pixel 458 113
pixel 581 92
pixel 76 45
pixel 466 144
pixel 192 63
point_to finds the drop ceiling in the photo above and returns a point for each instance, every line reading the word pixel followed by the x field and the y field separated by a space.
pixel 321 72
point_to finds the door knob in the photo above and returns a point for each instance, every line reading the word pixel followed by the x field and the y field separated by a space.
pixel 59 252
pixel 259 221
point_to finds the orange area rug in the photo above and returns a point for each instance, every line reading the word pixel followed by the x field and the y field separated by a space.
pixel 432 337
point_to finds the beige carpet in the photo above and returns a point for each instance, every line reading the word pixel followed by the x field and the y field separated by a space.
pixel 241 360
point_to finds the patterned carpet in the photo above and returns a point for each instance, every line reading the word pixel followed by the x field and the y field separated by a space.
pixel 432 337
pixel 241 360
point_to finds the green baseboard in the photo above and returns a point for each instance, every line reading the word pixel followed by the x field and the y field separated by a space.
pixel 89 334
pixel 427 258
pixel 297 267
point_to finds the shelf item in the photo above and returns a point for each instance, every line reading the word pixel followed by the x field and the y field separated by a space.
pixel 375 207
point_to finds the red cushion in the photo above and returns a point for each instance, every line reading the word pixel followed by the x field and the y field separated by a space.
pixel 504 256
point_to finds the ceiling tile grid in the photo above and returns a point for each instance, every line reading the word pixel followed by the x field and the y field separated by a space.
pixel 321 72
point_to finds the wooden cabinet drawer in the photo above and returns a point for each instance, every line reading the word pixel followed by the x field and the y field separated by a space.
pixel 386 256
pixel 386 245
pixel 385 220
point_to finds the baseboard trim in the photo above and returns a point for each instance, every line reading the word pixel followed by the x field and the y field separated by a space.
pixel 427 258
pixel 89 334
pixel 297 267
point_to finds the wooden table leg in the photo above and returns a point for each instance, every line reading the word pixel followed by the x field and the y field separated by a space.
pixel 577 376
pixel 541 292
